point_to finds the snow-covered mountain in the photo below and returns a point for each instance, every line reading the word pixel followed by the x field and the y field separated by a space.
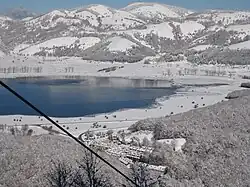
pixel 20 13
pixel 156 11
pixel 128 34
pixel 221 17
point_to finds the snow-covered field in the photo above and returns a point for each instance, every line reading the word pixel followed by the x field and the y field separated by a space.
pixel 11 67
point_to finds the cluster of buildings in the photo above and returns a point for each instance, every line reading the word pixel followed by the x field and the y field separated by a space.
pixel 126 154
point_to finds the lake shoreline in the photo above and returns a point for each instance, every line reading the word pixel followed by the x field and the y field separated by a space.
pixel 121 119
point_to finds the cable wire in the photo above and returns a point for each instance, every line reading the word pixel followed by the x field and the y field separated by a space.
pixel 65 131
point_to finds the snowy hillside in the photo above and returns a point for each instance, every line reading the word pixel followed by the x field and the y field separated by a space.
pixel 239 28
pixel 92 17
pixel 162 30
pixel 189 28
pixel 5 18
pixel 3 21
pixel 242 45
pixel 120 44
pixel 27 18
pixel 201 47
pixel 86 42
pixel 2 54
pixel 51 45
pixel 53 19
pixel 221 17
pixel 20 47
pixel 128 34
pixel 101 10
pixel 155 10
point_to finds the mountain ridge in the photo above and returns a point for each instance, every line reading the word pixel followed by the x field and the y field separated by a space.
pixel 157 29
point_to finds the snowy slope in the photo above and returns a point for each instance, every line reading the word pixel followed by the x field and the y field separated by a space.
pixel 52 19
pixel 231 17
pixel 221 17
pixel 201 47
pixel 86 42
pixel 113 19
pixel 47 20
pixel 120 44
pixel 84 14
pixel 242 45
pixel 101 10
pixel 50 44
pixel 155 10
pixel 188 28
pixel 2 54
pixel 162 30
pixel 4 18
pixel 20 47
pixel 216 28
pixel 92 16
pixel 48 17
pixel 3 21
pixel 122 20
pixel 27 18
pixel 239 28
pixel 146 29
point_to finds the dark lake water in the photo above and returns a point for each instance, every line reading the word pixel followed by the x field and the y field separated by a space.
pixel 72 98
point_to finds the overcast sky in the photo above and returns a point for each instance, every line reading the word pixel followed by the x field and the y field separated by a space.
pixel 47 5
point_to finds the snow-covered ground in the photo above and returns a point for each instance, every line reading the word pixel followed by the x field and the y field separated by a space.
pixel 155 10
pixel 87 42
pixel 101 9
pixel 49 45
pixel 162 30
pixel 190 27
pixel 58 67
pixel 201 47
pixel 230 17
pixel 242 45
pixel 2 53
pixel 224 17
pixel 239 28
pixel 55 42
pixel 120 44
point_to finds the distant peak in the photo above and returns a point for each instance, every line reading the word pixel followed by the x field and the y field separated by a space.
pixel 20 13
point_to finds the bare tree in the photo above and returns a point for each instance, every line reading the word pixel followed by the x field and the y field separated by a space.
pixel 91 172
pixel 29 133
pixel 61 175
pixel 110 134
pixel 145 142
pixel 12 131
pixel 141 175
pixel 24 129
